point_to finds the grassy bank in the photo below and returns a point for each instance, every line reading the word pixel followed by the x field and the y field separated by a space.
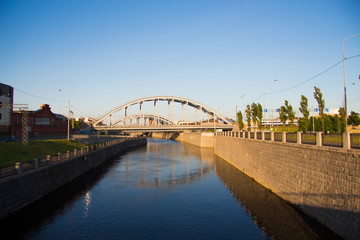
pixel 11 152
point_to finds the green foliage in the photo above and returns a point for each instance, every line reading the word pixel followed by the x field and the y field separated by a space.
pixel 260 115
pixel 342 119
pixel 286 113
pixel 248 115
pixel 257 114
pixel 321 105
pixel 290 113
pixel 282 114
pixel 76 124
pixel 254 113
pixel 354 119
pixel 240 120
pixel 304 122
pixel 315 122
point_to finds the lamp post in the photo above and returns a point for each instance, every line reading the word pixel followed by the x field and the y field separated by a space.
pixel 345 100
pixel 68 122
pixel 264 93
pixel 68 125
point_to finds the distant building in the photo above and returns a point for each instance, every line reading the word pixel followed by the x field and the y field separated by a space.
pixel 42 122
pixel 6 107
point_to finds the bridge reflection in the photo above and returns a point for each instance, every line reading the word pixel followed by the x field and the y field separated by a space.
pixel 164 170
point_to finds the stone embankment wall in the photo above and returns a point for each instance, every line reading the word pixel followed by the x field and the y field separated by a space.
pixel 20 190
pixel 92 139
pixel 205 140
pixel 324 182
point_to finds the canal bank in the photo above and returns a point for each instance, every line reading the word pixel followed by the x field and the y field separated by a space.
pixel 24 188
pixel 166 190
pixel 322 182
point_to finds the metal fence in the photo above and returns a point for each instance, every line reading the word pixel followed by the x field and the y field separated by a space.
pixel 355 140
pixel 291 137
pixel 338 140
pixel 268 136
pixel 332 139
pixel 259 135
pixel 26 166
pixel 278 136
pixel 308 138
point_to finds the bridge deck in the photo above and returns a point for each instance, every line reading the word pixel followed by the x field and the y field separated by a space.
pixel 163 128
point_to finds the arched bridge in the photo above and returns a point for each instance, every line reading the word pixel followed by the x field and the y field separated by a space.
pixel 139 115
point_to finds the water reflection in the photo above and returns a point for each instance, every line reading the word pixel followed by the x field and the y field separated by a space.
pixel 177 164
pixel 167 190
pixel 86 203
pixel 271 213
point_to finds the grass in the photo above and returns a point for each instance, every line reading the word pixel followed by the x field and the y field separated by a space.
pixel 11 152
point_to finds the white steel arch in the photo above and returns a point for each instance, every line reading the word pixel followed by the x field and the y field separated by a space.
pixel 144 116
pixel 169 99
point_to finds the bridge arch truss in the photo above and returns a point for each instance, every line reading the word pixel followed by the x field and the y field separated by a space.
pixel 156 118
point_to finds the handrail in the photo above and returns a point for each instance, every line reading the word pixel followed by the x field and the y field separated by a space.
pixel 35 164
pixel 347 139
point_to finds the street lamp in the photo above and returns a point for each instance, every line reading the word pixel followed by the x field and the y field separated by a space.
pixel 345 101
pixel 68 122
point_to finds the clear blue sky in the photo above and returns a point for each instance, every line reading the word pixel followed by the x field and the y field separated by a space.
pixel 105 53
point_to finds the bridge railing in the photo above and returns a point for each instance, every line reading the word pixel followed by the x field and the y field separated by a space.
pixel 35 164
pixel 345 140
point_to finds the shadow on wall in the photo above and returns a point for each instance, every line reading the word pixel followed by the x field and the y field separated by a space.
pixel 45 210
pixel 276 216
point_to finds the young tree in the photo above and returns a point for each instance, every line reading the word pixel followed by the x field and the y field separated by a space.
pixel 259 115
pixel 283 115
pixel 254 113
pixel 321 105
pixel 342 119
pixel 354 119
pixel 248 116
pixel 289 112
pixel 240 120
pixel 304 110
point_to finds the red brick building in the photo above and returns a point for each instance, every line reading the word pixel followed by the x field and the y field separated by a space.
pixel 42 122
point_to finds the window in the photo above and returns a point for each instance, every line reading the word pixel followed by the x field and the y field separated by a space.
pixel 0 116
pixel 0 104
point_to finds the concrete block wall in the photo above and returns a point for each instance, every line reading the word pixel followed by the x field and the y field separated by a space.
pixel 324 182
pixel 205 140
pixel 20 190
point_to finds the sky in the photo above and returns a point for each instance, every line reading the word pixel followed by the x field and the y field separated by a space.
pixel 224 54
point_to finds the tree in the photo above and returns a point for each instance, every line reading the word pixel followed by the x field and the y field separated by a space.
pixel 254 113
pixel 289 112
pixel 304 121
pixel 240 120
pixel 248 116
pixel 259 115
pixel 286 113
pixel 354 119
pixel 321 105
pixel 283 114
pixel 342 119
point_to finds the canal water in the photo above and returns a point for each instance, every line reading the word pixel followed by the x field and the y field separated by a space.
pixel 166 190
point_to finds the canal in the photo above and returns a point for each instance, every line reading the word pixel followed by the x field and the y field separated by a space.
pixel 166 190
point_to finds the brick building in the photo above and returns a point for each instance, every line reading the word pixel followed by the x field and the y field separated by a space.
pixel 42 122
pixel 6 106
